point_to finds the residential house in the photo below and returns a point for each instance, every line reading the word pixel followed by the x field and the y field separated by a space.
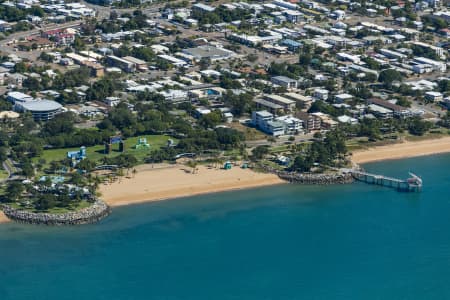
pixel 284 81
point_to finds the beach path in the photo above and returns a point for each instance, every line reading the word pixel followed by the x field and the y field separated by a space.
pixel 151 184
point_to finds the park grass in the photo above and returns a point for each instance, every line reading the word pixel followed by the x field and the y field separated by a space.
pixel 96 153
pixel 3 174
pixel 432 134
pixel 250 134
pixel 12 168
pixel 53 210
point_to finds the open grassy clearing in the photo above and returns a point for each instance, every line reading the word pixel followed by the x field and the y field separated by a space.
pixel 96 153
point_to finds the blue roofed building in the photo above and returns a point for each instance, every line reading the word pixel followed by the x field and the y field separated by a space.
pixel 292 45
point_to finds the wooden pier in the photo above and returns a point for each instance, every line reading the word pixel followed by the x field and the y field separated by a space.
pixel 412 184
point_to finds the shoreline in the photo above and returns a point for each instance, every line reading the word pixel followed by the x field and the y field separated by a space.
pixel 3 218
pixel 166 182
pixel 177 181
pixel 402 150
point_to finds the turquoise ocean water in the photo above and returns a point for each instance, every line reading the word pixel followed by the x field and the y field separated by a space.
pixel 286 242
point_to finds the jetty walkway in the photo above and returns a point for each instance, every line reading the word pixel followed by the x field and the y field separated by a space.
pixel 412 184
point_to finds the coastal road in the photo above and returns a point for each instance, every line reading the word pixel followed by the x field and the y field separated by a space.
pixel 24 34
pixel 283 140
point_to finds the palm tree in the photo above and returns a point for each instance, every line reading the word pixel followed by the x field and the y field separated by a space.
pixel 192 164
pixel 96 182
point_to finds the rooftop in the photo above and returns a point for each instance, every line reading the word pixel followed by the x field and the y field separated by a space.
pixel 209 52
pixel 41 106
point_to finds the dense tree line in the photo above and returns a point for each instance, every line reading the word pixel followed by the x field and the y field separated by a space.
pixel 13 14
pixel 322 152
pixel 104 87
pixel 221 14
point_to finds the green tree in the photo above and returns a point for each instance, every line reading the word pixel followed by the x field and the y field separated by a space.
pixel 418 127
pixel 259 152
pixel 78 44
pixel 13 191
pixel 389 76
pixel 211 120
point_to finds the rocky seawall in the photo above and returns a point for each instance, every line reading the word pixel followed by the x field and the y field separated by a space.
pixel 94 213
pixel 338 178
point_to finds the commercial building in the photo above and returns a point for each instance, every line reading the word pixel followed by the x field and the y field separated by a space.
pixel 209 52
pixel 254 40
pixel 41 110
pixel 14 97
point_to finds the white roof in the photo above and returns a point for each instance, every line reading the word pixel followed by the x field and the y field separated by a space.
pixel 20 96
pixel 42 105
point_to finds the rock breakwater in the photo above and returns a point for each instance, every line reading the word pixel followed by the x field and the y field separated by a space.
pixel 340 176
pixel 337 178
pixel 94 213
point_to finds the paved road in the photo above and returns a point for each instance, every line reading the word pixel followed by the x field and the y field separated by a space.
pixel 283 140
pixel 23 34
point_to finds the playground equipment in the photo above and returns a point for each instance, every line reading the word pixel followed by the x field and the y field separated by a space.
pixel 77 155
pixel 227 165
pixel 142 143
pixel 114 140
pixel 53 179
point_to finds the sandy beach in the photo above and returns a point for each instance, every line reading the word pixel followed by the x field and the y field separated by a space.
pixel 3 218
pixel 178 181
pixel 403 150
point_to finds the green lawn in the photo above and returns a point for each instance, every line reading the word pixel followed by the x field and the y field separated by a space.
pixel 3 174
pixel 54 210
pixel 96 152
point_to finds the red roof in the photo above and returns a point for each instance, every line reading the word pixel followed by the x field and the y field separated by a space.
pixel 54 31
